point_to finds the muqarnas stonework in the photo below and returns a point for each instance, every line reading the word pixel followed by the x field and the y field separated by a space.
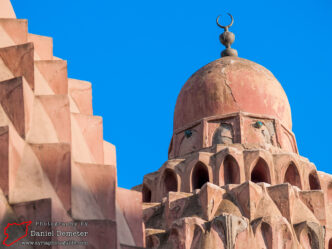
pixel 238 180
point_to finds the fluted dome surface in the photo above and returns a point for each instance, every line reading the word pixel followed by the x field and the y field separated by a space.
pixel 228 85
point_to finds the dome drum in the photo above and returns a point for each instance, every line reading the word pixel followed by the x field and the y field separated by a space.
pixel 260 131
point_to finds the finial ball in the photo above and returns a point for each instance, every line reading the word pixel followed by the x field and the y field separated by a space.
pixel 227 38
pixel 229 52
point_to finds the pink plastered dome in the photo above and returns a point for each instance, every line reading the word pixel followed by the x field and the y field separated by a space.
pixel 231 84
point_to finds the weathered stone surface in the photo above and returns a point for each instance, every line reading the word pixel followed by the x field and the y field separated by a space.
pixel 39 210
pixel 310 235
pixel 7 10
pixel 56 162
pixel 81 94
pixel 109 153
pixel 273 213
pixel 93 191
pixel 104 234
pixel 177 203
pixel 51 77
pixel 43 46
pixel 55 165
pixel 16 61
pixel 16 101
pixel 210 198
pixel 13 31
pixel 314 200
pixel 4 158
pixel 50 120
pixel 132 212
pixel 87 138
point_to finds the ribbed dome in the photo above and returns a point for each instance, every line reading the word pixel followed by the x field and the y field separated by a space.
pixel 228 85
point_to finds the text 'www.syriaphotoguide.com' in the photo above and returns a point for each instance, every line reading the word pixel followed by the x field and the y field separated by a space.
pixel 54 243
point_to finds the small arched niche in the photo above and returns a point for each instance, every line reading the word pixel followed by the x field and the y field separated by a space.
pixel 146 193
pixel 329 194
pixel 292 176
pixel 170 181
pixel 230 171
pixel 261 172
pixel 200 176
pixel 330 244
pixel 223 134
pixel 314 181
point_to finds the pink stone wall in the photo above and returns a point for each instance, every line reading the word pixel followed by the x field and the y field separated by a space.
pixel 56 166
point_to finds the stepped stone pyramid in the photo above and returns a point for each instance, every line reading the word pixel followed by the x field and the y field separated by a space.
pixel 55 165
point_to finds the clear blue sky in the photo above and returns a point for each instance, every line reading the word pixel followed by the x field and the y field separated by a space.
pixel 138 54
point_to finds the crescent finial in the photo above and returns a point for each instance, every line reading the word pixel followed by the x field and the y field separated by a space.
pixel 227 38
pixel 229 25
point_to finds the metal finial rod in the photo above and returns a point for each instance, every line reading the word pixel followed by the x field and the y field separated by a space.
pixel 227 38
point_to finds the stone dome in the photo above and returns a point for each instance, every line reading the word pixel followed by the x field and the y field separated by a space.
pixel 231 84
